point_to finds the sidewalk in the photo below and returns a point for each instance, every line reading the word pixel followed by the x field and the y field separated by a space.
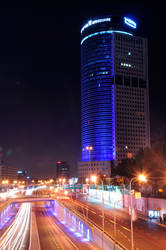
pixel 126 211
pixel 156 221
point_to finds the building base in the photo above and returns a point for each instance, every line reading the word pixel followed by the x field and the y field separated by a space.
pixel 88 168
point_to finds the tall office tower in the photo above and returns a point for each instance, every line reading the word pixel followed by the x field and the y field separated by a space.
pixel 115 108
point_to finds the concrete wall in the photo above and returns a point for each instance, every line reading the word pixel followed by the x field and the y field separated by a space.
pixel 142 205
pixel 110 197
pixel 72 222
pixel 81 229
pixel 6 214
pixel 104 242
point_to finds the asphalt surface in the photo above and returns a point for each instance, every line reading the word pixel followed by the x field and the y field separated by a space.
pixel 16 236
pixel 147 235
pixel 54 235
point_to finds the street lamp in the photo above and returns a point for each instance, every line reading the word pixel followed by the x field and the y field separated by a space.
pixel 87 180
pixel 89 149
pixel 141 178
pixel 94 179
pixel 64 180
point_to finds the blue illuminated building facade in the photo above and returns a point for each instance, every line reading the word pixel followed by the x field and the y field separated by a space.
pixel 114 93
pixel 98 98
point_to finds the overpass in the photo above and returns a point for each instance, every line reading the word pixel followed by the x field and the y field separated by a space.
pixel 32 199
pixel 79 227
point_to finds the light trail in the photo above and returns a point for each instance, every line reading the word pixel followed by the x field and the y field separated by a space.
pixel 15 236
pixel 12 193
pixel 29 191
pixel 56 230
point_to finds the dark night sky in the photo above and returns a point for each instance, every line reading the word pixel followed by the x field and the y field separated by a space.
pixel 40 78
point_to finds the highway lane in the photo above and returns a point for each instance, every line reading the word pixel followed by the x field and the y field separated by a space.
pixel 17 235
pixel 147 236
pixel 54 235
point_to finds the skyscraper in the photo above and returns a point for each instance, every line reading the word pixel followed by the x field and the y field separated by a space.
pixel 114 87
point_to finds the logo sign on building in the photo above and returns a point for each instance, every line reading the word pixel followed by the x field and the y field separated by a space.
pixel 92 22
pixel 137 195
pixel 130 22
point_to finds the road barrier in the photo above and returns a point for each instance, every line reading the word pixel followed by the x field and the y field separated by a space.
pixel 78 225
pixel 104 242
pixel 6 214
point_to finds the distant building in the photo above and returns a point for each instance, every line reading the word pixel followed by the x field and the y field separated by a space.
pixel 21 175
pixel 62 168
pixel 114 93
pixel 7 171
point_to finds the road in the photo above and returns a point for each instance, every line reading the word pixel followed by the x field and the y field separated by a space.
pixel 51 233
pixel 17 234
pixel 54 235
pixel 147 235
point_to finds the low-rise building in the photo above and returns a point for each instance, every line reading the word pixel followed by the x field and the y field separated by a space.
pixel 62 168
pixel 7 171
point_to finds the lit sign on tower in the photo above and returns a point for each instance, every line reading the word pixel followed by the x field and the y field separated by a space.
pixel 130 22
pixel 92 22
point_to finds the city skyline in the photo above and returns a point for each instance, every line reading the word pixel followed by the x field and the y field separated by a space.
pixel 40 82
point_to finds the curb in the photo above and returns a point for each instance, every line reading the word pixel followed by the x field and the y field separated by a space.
pixel 157 223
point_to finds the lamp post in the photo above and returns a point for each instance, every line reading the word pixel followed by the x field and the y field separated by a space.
pixel 60 183
pixel 87 182
pixel 131 213
pixel 94 179
pixel 115 216
pixel 141 178
pixel 89 149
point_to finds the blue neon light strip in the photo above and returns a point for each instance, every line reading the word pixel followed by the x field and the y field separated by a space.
pixel 92 22
pixel 105 32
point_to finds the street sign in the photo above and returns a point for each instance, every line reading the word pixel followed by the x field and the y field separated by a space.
pixel 75 186
pixel 137 195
